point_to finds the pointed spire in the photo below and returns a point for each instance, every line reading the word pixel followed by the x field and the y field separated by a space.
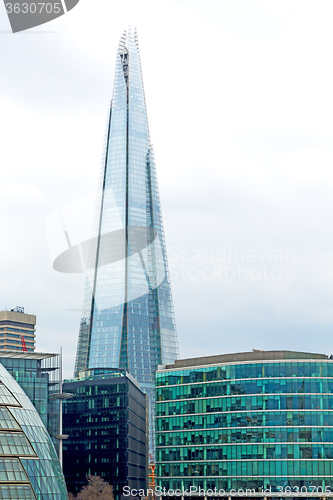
pixel 128 313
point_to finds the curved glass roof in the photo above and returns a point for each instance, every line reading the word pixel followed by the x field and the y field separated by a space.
pixel 29 466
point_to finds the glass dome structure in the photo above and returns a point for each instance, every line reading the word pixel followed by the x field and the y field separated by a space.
pixel 29 466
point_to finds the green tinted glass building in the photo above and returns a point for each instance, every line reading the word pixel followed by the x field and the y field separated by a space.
pixel 248 420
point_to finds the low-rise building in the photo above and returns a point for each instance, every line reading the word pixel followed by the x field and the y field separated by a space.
pixel 256 420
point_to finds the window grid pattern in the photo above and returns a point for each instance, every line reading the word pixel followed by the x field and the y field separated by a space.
pixel 15 444
pixel 16 492
pixel 7 421
pixel 106 423
pixel 6 398
pixel 11 470
pixel 246 425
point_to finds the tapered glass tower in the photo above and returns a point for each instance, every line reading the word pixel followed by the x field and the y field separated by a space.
pixel 127 320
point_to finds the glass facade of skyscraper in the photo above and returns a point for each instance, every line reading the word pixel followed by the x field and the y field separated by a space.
pixel 246 421
pixel 128 320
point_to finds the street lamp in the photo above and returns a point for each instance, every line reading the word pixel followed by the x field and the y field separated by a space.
pixel 61 396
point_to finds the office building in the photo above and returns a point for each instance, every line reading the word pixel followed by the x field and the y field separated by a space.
pixel 38 375
pixel 253 420
pixel 29 466
pixel 17 330
pixel 127 319
pixel 106 421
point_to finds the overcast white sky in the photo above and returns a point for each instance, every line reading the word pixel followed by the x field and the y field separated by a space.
pixel 239 98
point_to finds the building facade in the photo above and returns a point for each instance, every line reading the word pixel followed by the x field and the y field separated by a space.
pixel 14 325
pixel 29 466
pixel 38 375
pixel 106 421
pixel 254 420
pixel 127 318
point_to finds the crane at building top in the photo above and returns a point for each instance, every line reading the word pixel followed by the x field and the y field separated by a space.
pixel 24 347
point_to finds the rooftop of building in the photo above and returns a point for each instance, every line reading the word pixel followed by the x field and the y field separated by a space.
pixel 254 355
pixel 25 355
pixel 17 314
pixel 102 373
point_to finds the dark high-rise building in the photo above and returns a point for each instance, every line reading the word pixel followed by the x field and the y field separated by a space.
pixel 127 319
pixel 246 422
pixel 106 421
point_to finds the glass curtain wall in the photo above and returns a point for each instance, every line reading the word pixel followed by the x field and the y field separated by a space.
pixel 246 425
pixel 128 319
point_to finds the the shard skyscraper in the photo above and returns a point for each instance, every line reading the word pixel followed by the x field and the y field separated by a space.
pixel 127 319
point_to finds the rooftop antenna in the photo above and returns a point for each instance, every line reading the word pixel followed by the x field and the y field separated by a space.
pixel 18 309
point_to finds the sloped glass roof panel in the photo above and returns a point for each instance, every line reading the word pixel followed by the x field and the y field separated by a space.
pixel 11 469
pixel 15 443
pixel 7 421
pixel 35 432
pixel 16 492
pixel 6 398
pixel 15 390
pixel 43 474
